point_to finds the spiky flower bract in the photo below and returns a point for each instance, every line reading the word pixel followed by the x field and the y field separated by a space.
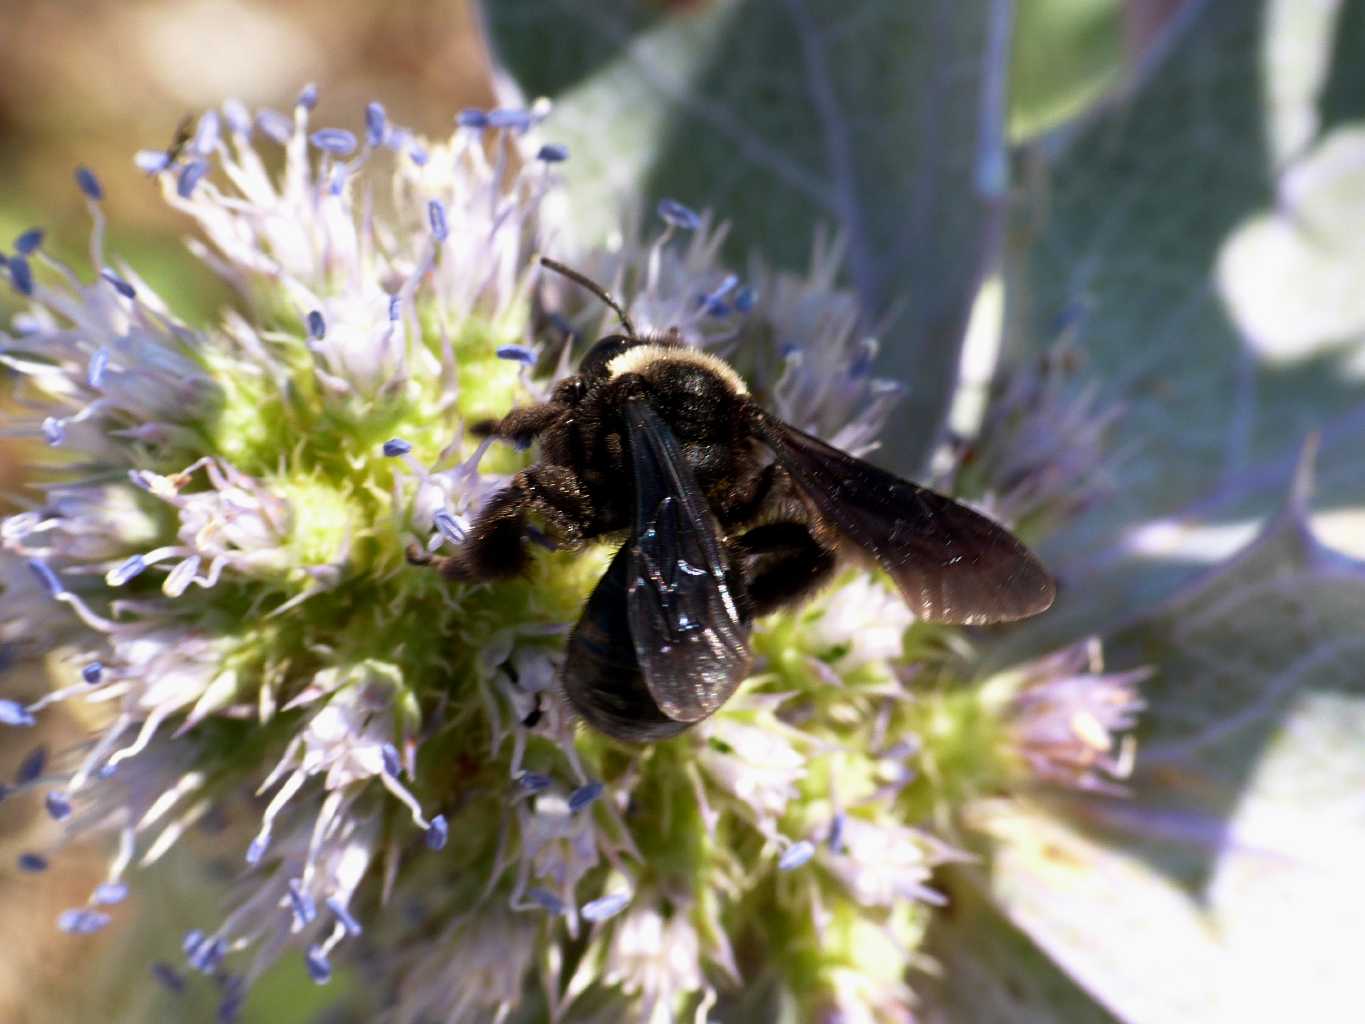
pixel 217 562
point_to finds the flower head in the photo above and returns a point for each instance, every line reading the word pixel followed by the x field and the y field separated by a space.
pixel 218 561
pixel 1070 721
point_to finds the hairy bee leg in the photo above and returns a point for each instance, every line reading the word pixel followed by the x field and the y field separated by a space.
pixel 448 566
pixel 522 426
pixel 495 548
pixel 787 564
pixel 557 495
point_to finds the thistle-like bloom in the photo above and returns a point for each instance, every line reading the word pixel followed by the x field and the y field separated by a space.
pixel 218 562
pixel 1070 721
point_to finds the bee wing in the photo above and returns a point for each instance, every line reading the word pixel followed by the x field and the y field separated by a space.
pixel 602 676
pixel 950 563
pixel 685 602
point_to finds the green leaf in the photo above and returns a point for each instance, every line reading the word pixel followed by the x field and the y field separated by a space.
pixel 1227 887
pixel 1200 237
pixel 884 122
pixel 1343 97
pixel 1067 53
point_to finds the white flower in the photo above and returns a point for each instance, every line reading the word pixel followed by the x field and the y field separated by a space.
pixel 862 619
pixel 223 564
pixel 84 523
pixel 754 763
pixel 826 386
pixel 352 738
pixel 882 864
pixel 655 959
pixel 559 845
pixel 26 616
pixel 473 973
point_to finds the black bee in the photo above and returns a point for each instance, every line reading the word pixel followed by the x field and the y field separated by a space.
pixel 664 442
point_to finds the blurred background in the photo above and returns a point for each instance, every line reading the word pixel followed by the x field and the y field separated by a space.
pixel 1187 236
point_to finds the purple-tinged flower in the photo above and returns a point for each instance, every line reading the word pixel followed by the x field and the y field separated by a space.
pixel 20 275
pixel 305 910
pixel 605 907
pixel 133 566
pixel 534 782
pixel 206 134
pixel 449 527
pixel 336 141
pixel 152 161
pixel 109 893
pixel 220 559
pixel 14 713
pixel 546 900
pixel 319 967
pixel 99 364
pixel 510 118
pixel 583 796
pixel 675 214
pixel 475 971
pixel 796 855
pixel 1040 455
pixel 191 174
pixel 237 116
pixel 89 184
pixel 170 979
pixel 54 431
pixel 119 284
pixel 376 123
pixel 518 353
pixel 436 217
pixel 31 767
pixel 1071 722
pixel 344 917
pixel 82 921
pixel 274 126
pixel 29 242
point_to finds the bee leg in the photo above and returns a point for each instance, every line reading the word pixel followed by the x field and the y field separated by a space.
pixel 521 426
pixel 495 547
pixel 786 564
pixel 558 496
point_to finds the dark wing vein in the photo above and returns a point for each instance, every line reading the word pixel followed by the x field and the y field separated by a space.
pixel 951 564
pixel 685 601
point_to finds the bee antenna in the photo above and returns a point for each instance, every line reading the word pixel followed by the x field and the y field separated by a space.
pixel 595 288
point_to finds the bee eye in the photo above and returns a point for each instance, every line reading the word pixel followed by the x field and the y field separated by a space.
pixel 594 363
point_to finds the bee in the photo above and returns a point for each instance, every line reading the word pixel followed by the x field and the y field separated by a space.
pixel 728 513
